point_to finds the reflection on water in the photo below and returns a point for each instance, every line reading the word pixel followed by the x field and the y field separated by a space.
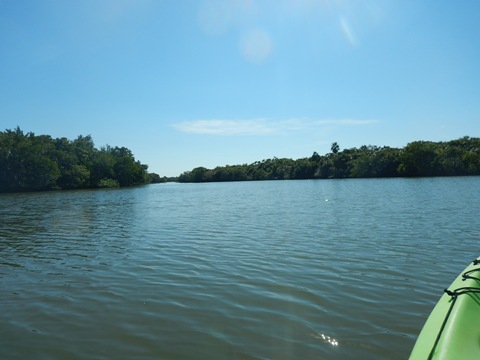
pixel 261 270
pixel 326 339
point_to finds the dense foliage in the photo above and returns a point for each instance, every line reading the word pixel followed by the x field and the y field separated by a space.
pixel 30 163
pixel 419 158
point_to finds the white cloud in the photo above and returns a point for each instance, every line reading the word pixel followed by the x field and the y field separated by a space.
pixel 262 126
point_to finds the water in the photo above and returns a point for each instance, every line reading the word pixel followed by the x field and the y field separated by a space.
pixel 326 269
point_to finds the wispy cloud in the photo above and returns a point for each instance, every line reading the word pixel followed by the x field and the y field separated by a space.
pixel 347 31
pixel 256 46
pixel 346 122
pixel 227 127
pixel 262 126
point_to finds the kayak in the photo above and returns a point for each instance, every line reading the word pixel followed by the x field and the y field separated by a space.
pixel 452 331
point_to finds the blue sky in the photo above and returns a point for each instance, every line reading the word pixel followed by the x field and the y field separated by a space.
pixel 187 83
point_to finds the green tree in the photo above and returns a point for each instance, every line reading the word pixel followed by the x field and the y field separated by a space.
pixel 127 171
pixel 26 162
pixel 335 148
pixel 29 162
pixel 471 161
pixel 198 174
pixel 372 161
pixel 304 169
pixel 417 159
pixel 102 171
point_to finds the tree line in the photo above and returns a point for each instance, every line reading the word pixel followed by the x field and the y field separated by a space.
pixel 419 158
pixel 32 163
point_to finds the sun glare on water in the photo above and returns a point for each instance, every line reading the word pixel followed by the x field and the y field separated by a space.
pixel 325 338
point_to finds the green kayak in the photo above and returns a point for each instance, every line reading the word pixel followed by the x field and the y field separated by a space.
pixel 452 330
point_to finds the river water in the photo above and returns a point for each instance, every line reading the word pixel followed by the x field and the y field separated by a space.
pixel 316 269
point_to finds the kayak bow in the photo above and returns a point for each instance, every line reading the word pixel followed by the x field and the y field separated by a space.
pixel 452 331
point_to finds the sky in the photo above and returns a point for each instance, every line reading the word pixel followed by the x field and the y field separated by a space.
pixel 188 83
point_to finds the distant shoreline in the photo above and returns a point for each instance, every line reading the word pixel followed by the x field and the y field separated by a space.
pixel 38 163
pixel 460 157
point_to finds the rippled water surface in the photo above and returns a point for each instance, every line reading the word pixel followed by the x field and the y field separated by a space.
pixel 327 269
